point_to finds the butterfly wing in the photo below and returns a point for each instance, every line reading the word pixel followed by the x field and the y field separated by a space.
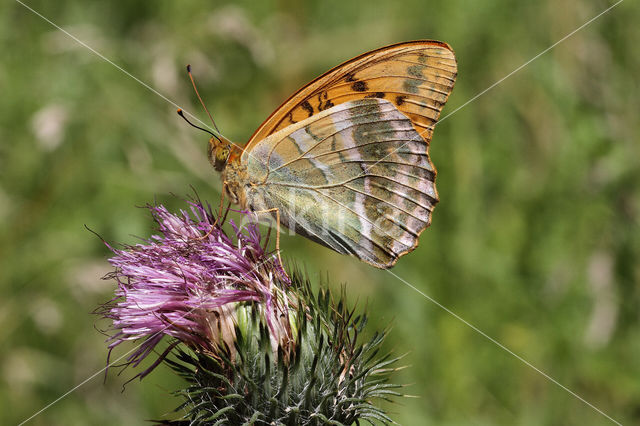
pixel 355 177
pixel 417 77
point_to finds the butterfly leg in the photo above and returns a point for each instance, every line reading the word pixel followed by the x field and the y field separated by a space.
pixel 277 211
pixel 215 222
pixel 222 203
pixel 266 240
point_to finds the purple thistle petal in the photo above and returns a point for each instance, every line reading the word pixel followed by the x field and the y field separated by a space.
pixel 184 283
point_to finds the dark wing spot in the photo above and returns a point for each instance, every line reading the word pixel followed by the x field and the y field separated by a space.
pixel 359 86
pixel 350 77
pixel 290 118
pixel 327 103
pixel 378 95
pixel 307 107
pixel 411 85
pixel 415 71
pixel 400 100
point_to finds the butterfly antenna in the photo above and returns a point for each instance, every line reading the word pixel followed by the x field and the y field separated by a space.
pixel 193 83
pixel 181 114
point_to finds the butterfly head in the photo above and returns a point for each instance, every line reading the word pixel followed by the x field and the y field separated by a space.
pixel 219 147
pixel 219 151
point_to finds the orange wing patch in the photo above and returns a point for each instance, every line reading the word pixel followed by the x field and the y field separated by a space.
pixel 417 77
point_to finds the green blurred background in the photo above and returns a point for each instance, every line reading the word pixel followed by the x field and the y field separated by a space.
pixel 535 241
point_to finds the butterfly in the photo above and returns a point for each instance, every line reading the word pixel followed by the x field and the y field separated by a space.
pixel 344 161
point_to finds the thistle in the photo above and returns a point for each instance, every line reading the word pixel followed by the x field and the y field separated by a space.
pixel 253 345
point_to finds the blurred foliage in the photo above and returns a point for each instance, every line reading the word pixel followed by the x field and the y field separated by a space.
pixel 535 242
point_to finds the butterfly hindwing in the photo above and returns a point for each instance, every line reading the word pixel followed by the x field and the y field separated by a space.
pixel 355 177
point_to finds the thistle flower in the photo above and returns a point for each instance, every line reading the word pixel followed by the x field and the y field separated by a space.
pixel 254 346
pixel 186 282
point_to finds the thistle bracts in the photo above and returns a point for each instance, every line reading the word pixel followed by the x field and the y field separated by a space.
pixel 330 377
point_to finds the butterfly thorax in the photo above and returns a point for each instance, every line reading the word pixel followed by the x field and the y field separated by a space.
pixel 234 177
pixel 224 156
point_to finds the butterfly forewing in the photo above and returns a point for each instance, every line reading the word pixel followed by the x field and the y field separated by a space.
pixel 417 77
pixel 355 177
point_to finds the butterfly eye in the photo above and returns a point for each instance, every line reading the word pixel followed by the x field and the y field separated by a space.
pixel 221 156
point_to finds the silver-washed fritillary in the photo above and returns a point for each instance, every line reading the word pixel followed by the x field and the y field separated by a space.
pixel 344 161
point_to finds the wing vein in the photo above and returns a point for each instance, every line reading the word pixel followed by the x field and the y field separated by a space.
pixel 367 219
pixel 302 156
pixel 338 131
pixel 387 77
pixel 385 202
pixel 314 187
pixel 406 196
pixel 335 151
